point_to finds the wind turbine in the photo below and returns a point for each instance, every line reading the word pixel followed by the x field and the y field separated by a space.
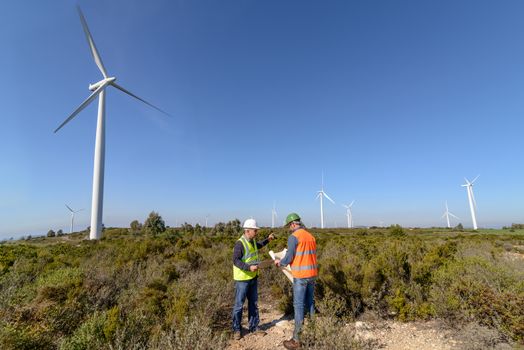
pixel 349 214
pixel 73 212
pixel 447 214
pixel 321 194
pixel 472 202
pixel 273 216
pixel 99 159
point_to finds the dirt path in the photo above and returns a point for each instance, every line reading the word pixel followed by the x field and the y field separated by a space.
pixel 273 323
pixel 394 335
pixel 389 335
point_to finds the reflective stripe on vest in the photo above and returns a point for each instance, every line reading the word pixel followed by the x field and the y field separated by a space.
pixel 301 268
pixel 250 257
pixel 250 251
pixel 304 262
pixel 307 252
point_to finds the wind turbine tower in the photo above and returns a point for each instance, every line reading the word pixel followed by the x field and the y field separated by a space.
pixel 321 194
pixel 447 214
pixel 73 212
pixel 471 199
pixel 273 216
pixel 99 159
pixel 349 214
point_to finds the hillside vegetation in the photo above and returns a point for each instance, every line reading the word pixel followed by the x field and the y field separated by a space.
pixel 172 288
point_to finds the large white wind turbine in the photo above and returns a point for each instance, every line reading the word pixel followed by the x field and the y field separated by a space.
pixel 472 202
pixel 447 214
pixel 99 159
pixel 73 212
pixel 321 194
pixel 273 216
pixel 349 214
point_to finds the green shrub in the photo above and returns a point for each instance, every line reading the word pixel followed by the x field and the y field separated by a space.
pixel 195 334
pixel 476 289
pixel 89 336
pixel 396 230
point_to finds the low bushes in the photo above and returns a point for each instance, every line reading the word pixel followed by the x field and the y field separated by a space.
pixel 175 290
pixel 463 279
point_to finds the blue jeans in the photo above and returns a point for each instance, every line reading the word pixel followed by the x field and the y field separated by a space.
pixel 245 289
pixel 303 289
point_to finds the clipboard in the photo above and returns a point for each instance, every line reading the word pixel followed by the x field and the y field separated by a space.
pixel 264 264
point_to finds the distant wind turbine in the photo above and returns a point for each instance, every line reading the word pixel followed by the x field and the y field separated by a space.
pixel 447 214
pixel 471 199
pixel 98 171
pixel 349 214
pixel 73 212
pixel 321 194
pixel 273 216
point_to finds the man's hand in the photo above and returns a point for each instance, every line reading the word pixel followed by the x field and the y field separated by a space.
pixel 277 262
pixel 271 237
pixel 253 268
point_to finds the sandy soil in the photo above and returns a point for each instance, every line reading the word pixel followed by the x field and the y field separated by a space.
pixel 390 335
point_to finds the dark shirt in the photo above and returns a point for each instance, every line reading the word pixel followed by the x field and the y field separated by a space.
pixel 238 253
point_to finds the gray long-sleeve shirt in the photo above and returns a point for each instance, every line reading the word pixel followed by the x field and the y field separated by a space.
pixel 238 253
pixel 292 243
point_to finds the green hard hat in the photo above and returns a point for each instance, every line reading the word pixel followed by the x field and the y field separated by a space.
pixel 292 217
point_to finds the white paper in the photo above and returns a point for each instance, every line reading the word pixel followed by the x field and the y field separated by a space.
pixel 286 270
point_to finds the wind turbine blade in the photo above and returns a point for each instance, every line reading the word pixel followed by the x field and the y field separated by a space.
pixel 318 194
pixel 325 194
pixel 71 210
pixel 456 217
pixel 83 105
pixel 91 43
pixel 79 210
pixel 351 204
pixel 475 179
pixel 138 98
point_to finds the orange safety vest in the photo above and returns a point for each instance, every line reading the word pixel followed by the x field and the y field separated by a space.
pixel 304 264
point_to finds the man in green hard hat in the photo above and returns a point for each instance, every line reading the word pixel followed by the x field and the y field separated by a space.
pixel 301 256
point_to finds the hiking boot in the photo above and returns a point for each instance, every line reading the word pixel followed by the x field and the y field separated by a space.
pixel 237 335
pixel 292 344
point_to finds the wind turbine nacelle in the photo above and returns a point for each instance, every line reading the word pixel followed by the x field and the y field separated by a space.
pixel 93 87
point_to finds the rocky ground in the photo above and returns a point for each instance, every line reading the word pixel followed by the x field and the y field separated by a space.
pixel 277 327
pixel 378 334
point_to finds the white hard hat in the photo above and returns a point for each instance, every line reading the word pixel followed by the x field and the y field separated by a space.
pixel 251 224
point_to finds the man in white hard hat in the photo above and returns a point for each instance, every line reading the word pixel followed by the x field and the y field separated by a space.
pixel 245 274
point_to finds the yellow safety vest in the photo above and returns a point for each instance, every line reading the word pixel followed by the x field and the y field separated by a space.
pixel 250 257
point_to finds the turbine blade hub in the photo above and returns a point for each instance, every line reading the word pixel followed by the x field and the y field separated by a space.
pixel 96 85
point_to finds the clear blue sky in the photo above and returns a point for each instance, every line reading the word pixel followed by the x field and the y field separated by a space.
pixel 396 101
